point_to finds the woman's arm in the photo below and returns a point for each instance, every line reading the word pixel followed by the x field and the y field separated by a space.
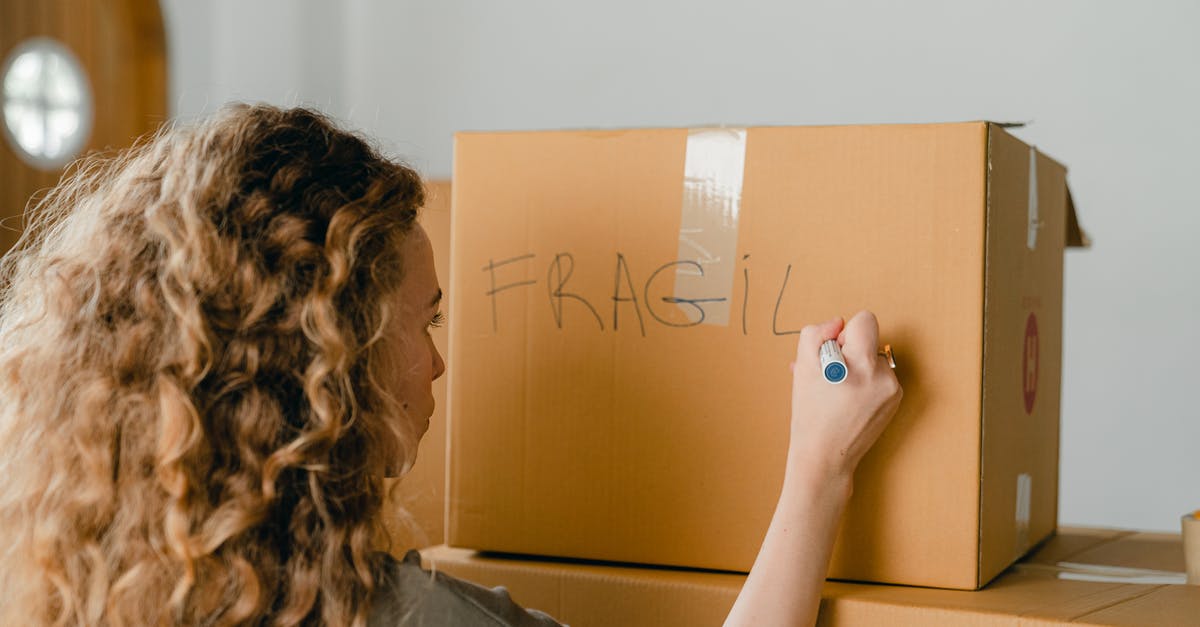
pixel 832 427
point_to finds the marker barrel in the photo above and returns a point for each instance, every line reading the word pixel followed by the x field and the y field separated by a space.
pixel 833 365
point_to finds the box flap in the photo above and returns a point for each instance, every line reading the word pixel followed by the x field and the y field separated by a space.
pixel 1076 236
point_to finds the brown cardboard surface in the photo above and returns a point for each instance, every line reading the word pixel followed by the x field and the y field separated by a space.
pixel 1166 606
pixel 1152 551
pixel 1022 356
pixel 584 425
pixel 1071 541
pixel 585 594
pixel 1009 600
pixel 592 594
pixel 416 508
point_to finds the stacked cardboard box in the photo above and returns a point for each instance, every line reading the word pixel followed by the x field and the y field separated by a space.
pixel 1049 587
pixel 625 305
pixel 1078 577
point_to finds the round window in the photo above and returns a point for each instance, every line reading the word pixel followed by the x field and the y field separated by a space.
pixel 47 103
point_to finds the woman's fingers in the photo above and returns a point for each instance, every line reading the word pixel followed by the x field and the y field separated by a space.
pixel 813 335
pixel 839 423
pixel 861 338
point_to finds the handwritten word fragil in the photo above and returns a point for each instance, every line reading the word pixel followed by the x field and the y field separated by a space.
pixel 624 295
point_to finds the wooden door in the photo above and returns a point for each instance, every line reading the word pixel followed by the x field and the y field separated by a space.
pixel 120 48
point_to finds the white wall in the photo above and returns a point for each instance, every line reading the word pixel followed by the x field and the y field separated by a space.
pixel 281 51
pixel 1111 88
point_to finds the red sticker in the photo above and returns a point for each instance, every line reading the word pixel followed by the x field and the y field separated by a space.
pixel 1029 365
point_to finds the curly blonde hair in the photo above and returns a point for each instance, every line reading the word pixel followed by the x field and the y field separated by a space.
pixel 193 429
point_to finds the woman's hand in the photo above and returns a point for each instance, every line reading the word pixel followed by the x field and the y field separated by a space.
pixel 833 426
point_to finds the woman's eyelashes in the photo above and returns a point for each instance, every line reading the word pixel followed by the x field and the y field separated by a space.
pixel 438 320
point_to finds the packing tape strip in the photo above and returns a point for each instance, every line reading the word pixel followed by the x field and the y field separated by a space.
pixel 1023 509
pixel 708 226
pixel 1106 574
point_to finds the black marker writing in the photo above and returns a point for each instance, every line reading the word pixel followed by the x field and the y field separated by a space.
pixel 775 316
pixel 623 270
pixel 745 292
pixel 694 302
pixel 490 268
pixel 555 280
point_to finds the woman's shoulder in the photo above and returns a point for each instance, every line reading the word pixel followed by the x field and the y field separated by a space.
pixel 410 595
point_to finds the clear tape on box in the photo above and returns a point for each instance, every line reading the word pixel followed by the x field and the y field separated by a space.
pixel 714 166
pixel 1105 574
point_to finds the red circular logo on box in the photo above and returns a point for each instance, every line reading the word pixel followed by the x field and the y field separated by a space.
pixel 1029 365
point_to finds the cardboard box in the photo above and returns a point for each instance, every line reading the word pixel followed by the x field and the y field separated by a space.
pixel 625 305
pixel 415 508
pixel 1037 592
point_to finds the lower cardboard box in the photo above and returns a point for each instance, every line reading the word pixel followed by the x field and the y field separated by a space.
pixel 1078 577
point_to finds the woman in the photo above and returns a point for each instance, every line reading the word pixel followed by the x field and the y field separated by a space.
pixel 215 348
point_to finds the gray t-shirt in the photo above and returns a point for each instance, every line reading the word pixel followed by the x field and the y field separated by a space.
pixel 412 596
